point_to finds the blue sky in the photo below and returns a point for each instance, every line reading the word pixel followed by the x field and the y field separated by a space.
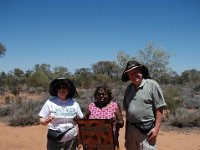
pixel 79 33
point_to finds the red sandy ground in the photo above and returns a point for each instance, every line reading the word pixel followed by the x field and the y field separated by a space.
pixel 34 138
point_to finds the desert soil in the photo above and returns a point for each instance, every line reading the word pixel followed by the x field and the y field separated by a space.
pixel 34 138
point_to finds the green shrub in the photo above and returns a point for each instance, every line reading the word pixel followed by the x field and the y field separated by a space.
pixel 5 111
pixel 7 100
pixel 193 103
pixel 185 118
pixel 85 97
pixel 173 98
pixel 26 113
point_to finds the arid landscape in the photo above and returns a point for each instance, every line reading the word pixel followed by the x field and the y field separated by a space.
pixel 34 138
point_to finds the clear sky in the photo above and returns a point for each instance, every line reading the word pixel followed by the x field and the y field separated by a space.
pixel 79 33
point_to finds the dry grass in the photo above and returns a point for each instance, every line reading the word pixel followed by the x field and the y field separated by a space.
pixel 22 96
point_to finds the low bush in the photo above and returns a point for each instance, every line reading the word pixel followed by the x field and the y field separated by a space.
pixel 185 118
pixel 173 98
pixel 192 103
pixel 21 114
pixel 5 110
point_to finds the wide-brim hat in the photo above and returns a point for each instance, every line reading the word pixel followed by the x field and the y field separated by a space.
pixel 132 64
pixel 53 87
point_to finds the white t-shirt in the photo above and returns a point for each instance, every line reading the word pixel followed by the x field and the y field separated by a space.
pixel 63 113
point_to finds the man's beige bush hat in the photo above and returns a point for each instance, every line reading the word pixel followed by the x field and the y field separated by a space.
pixel 132 64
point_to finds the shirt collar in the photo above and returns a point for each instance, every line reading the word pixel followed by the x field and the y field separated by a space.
pixel 142 83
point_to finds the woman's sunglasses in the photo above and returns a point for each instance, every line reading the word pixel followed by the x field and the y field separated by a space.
pixel 61 87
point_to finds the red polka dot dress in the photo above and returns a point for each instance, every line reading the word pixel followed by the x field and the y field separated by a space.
pixel 107 112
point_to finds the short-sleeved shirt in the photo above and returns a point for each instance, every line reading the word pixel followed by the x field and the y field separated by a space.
pixel 63 113
pixel 107 112
pixel 141 103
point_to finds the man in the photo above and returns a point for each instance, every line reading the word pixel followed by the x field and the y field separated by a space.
pixel 144 103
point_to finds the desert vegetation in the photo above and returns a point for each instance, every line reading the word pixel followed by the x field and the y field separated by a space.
pixel 181 92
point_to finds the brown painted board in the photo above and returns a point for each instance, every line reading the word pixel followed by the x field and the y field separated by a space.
pixel 96 134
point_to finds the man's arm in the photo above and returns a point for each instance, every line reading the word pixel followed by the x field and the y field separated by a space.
pixel 154 132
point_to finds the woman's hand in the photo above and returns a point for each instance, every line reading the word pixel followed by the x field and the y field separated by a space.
pixel 119 117
pixel 45 121
pixel 113 120
pixel 76 119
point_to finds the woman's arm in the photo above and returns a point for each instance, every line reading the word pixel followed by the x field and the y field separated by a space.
pixel 87 114
pixel 119 117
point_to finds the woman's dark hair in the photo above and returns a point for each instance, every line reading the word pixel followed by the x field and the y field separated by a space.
pixel 104 88
pixel 53 87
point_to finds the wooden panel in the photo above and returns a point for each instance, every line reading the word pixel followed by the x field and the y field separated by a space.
pixel 96 134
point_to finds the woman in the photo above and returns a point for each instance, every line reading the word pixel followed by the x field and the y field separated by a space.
pixel 59 113
pixel 104 108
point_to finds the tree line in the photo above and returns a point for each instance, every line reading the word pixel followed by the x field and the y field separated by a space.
pixel 108 72
pixel 181 92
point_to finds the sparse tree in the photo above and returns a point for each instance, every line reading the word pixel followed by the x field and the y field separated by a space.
pixel 84 77
pixel 122 59
pixel 2 49
pixel 61 71
pixel 156 59
pixel 18 72
pixel 104 67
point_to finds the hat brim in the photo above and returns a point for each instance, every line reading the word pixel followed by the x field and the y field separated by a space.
pixel 70 85
pixel 145 73
pixel 131 69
